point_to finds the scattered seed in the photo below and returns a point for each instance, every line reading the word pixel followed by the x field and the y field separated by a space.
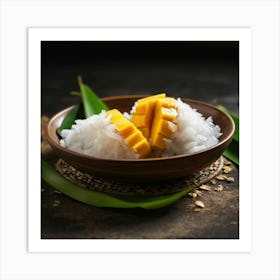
pixel 197 209
pixel 205 188
pixel 227 162
pixel 58 192
pixel 213 182
pixel 233 222
pixel 225 178
pixel 199 203
pixel 219 188
pixel 192 194
pixel 56 203
pixel 42 189
pixel 227 169
pixel 199 193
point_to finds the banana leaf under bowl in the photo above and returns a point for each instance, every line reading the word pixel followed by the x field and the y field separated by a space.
pixel 150 169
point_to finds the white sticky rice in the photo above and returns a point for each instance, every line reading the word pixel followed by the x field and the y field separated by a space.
pixel 194 133
pixel 96 136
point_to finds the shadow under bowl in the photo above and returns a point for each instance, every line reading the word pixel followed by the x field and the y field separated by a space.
pixel 150 169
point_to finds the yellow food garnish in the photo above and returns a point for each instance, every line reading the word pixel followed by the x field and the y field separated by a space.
pixel 155 117
pixel 132 135
pixel 163 125
pixel 142 115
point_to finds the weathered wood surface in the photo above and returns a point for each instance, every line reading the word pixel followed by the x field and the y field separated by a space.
pixel 63 217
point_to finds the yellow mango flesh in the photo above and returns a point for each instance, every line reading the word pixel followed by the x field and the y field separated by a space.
pixel 143 113
pixel 140 120
pixel 163 125
pixel 142 148
pixel 133 137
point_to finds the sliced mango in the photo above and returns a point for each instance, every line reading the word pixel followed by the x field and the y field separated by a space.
pixel 164 123
pixel 155 117
pixel 132 135
pixel 141 121
pixel 166 128
pixel 143 112
pixel 142 148
pixel 134 138
pixel 145 104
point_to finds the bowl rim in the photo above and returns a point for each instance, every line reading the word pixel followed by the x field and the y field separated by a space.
pixel 79 155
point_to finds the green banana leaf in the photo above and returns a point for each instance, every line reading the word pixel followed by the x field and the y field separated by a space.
pixel 70 118
pixel 232 152
pixel 235 119
pixel 98 199
pixel 91 102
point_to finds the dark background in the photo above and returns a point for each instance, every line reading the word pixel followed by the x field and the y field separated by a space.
pixel 203 70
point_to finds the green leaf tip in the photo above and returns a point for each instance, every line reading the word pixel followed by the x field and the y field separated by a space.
pixel 91 102
pixel 80 80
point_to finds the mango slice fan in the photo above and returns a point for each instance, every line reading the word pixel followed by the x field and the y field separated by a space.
pixel 152 124
pixel 132 135
pixel 156 116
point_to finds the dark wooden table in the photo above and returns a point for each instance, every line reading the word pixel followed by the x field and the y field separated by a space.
pixel 210 76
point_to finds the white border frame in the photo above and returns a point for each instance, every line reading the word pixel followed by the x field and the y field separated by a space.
pixel 243 35
pixel 262 16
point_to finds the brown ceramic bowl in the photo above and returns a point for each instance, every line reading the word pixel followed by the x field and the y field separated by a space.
pixel 145 170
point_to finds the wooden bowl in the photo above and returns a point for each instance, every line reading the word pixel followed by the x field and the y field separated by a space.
pixel 151 169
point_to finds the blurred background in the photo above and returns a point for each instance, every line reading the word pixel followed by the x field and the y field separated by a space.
pixel 203 70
